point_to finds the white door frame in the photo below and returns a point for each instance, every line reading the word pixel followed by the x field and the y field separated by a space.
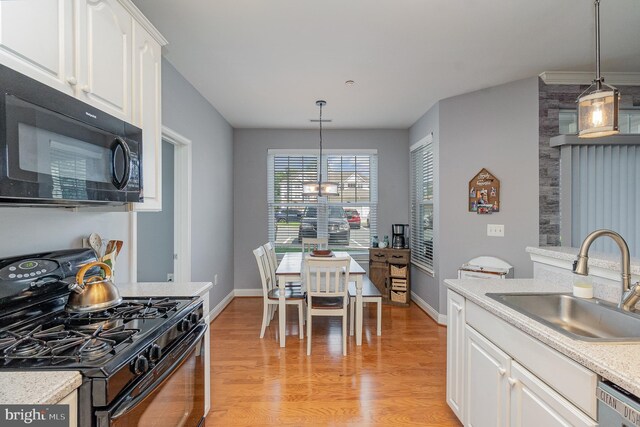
pixel 181 213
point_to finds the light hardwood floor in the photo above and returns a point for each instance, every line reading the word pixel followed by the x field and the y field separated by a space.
pixel 397 379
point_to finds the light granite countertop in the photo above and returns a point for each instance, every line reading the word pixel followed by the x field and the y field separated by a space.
pixel 37 387
pixel 615 362
pixel 602 260
pixel 163 289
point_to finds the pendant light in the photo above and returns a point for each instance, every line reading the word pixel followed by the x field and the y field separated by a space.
pixel 598 110
pixel 320 188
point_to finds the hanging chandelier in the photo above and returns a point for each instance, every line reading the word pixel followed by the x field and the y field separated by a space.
pixel 598 110
pixel 320 188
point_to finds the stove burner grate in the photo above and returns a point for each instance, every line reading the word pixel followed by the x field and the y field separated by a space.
pixel 60 344
pixel 151 309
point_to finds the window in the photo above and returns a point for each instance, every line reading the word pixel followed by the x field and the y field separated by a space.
pixel 422 183
pixel 604 193
pixel 348 219
pixel 628 121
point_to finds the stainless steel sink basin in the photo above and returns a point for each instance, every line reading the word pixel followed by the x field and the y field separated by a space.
pixel 581 319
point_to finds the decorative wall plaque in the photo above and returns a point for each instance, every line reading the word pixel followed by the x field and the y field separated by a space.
pixel 484 193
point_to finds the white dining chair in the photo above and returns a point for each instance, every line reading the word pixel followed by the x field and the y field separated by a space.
pixel 311 243
pixel 326 281
pixel 270 250
pixel 271 294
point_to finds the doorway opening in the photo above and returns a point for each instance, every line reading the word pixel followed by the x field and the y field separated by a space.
pixel 163 239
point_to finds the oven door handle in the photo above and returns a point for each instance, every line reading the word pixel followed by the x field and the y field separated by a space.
pixel 184 349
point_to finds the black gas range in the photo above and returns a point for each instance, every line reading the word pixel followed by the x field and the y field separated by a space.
pixel 132 356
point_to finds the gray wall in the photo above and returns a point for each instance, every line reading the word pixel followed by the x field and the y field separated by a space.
pixel 425 285
pixel 497 129
pixel 155 229
pixel 30 229
pixel 185 111
pixel 250 183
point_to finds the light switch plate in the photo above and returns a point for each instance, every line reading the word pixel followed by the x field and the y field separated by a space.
pixel 495 230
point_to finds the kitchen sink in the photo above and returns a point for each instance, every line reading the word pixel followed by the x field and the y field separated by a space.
pixel 582 319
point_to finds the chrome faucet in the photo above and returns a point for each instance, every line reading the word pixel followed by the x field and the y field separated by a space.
pixel 630 294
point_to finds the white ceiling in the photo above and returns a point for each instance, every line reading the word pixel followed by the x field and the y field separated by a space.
pixel 264 63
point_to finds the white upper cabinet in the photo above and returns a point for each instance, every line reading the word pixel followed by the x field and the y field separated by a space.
pixel 103 52
pixel 37 39
pixel 106 34
pixel 147 62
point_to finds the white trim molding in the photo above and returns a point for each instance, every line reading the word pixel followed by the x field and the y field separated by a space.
pixel 181 202
pixel 144 21
pixel 440 319
pixel 424 141
pixel 215 312
pixel 586 78
pixel 248 292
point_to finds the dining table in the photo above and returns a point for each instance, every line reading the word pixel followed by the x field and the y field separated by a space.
pixel 290 270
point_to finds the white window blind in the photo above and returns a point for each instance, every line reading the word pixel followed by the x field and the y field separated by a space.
pixel 348 219
pixel 605 193
pixel 422 181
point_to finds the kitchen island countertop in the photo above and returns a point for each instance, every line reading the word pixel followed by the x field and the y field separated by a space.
pixel 615 362
pixel 164 289
pixel 37 387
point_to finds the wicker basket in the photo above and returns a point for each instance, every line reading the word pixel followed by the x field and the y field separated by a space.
pixel 398 271
pixel 399 284
pixel 399 296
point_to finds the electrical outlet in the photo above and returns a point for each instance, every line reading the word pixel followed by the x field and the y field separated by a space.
pixel 85 242
pixel 215 280
pixel 169 277
pixel 495 230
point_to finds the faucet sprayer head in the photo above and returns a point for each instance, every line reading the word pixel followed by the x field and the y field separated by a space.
pixel 580 266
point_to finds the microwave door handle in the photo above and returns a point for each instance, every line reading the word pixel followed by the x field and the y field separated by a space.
pixel 129 403
pixel 120 184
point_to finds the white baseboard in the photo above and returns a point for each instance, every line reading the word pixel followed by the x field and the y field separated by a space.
pixel 247 292
pixel 221 306
pixel 441 319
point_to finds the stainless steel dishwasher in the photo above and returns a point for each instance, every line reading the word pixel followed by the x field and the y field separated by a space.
pixel 616 406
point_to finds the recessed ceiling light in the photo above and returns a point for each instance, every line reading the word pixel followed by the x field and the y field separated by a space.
pixel 349 82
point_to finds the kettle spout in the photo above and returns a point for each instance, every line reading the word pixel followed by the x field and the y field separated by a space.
pixel 75 286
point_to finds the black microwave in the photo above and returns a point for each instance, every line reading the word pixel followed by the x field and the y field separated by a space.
pixel 57 150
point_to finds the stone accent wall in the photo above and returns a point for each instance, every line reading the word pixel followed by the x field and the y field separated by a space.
pixel 552 99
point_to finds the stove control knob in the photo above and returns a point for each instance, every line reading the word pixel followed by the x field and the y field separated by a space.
pixel 193 318
pixel 140 365
pixel 184 325
pixel 155 353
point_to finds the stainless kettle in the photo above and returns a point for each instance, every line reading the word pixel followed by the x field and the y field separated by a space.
pixel 96 293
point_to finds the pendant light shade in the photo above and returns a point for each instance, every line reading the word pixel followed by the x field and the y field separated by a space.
pixel 598 110
pixel 320 188
pixel 598 114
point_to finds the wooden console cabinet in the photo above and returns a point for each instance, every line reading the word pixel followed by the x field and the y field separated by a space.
pixel 389 270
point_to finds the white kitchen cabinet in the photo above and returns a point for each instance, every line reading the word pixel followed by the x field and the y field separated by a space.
pixel 37 39
pixel 487 371
pixel 147 64
pixel 455 353
pixel 535 404
pixel 105 35
pixel 103 52
pixel 508 378
pixel 207 354
pixel 72 400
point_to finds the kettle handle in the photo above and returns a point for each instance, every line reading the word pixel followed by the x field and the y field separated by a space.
pixel 86 267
